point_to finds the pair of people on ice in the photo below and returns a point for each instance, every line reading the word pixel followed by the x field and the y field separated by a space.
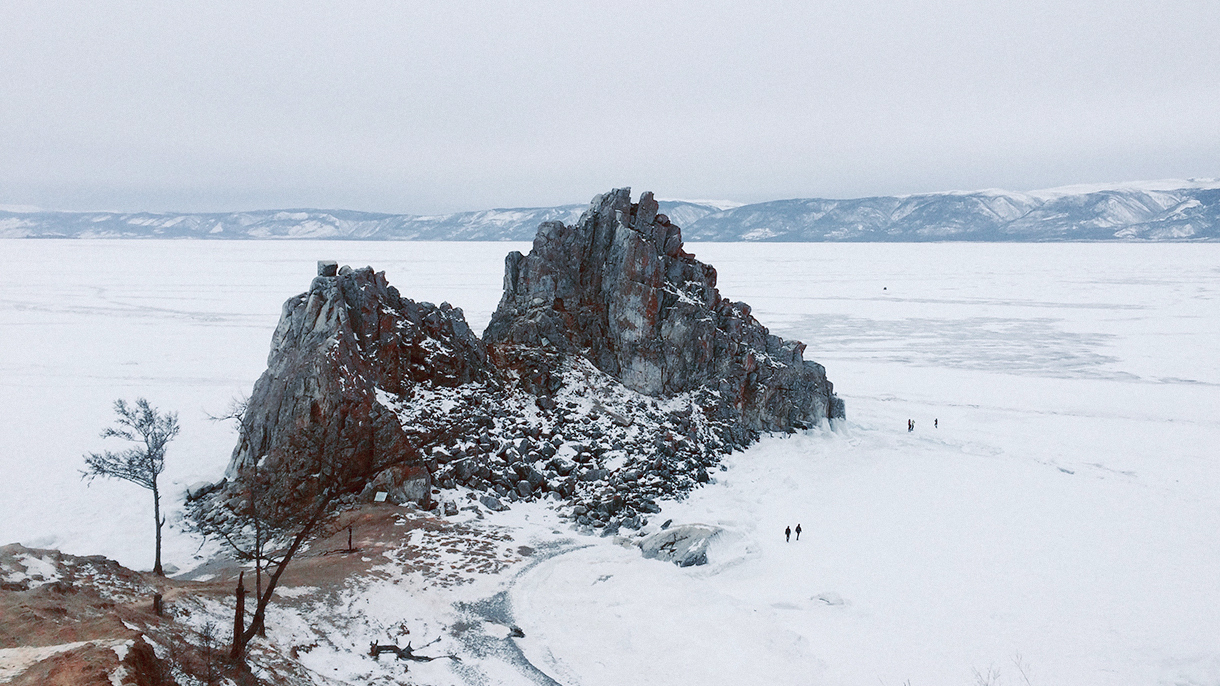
pixel 911 424
pixel 788 533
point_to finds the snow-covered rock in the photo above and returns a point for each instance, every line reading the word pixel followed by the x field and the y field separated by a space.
pixel 612 374
pixel 340 350
pixel 685 544
pixel 618 289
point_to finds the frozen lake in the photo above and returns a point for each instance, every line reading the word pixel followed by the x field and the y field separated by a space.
pixel 1061 521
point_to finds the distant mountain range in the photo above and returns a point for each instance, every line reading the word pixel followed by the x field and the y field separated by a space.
pixel 1146 211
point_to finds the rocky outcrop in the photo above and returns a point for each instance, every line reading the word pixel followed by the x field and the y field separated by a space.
pixel 612 374
pixel 618 289
pixel 337 347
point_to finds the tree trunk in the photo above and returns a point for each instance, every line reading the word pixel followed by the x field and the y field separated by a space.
pixel 239 621
pixel 258 566
pixel 260 608
pixel 157 516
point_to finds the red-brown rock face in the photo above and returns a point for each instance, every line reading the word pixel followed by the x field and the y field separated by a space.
pixel 335 347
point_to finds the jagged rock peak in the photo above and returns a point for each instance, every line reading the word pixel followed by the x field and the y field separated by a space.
pixel 337 346
pixel 618 288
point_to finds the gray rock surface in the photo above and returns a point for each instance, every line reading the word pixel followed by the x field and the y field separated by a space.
pixel 617 288
pixel 492 503
pixel 685 544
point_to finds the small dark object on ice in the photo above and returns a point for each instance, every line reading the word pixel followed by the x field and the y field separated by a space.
pixel 788 533
pixel 407 653
pixel 516 632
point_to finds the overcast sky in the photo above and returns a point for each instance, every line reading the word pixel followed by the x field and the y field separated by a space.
pixel 443 106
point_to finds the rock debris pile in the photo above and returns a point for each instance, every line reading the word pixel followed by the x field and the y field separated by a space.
pixel 612 374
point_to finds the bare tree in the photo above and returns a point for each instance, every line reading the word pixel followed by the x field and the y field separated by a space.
pixel 262 529
pixel 268 518
pixel 271 519
pixel 248 542
pixel 140 464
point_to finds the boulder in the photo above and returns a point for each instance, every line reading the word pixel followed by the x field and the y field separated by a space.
pixel 562 466
pixel 684 544
pixel 492 503
pixel 402 484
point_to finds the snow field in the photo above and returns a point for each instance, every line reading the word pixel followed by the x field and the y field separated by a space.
pixel 1059 525
pixel 1063 517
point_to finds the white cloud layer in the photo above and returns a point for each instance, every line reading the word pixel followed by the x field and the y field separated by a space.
pixel 433 107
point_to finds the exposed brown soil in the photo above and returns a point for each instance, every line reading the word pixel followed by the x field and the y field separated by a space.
pixel 72 629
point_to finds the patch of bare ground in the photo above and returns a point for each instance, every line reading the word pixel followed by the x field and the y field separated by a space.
pixel 88 620
pixel 443 551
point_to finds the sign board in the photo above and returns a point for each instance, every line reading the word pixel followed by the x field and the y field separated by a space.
pixel 380 497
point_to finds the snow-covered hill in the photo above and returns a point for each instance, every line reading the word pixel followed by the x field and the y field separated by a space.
pixel 1162 210
pixel 485 225
pixel 1170 210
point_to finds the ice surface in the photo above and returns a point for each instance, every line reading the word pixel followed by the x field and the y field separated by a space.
pixel 1063 516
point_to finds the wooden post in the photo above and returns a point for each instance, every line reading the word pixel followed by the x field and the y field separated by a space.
pixel 158 609
pixel 239 618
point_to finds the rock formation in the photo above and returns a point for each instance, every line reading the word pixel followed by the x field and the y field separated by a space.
pixel 336 347
pixel 612 374
pixel 618 289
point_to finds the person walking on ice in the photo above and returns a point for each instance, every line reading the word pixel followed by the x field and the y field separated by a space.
pixel 788 533
pixel 798 532
pixel 936 423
